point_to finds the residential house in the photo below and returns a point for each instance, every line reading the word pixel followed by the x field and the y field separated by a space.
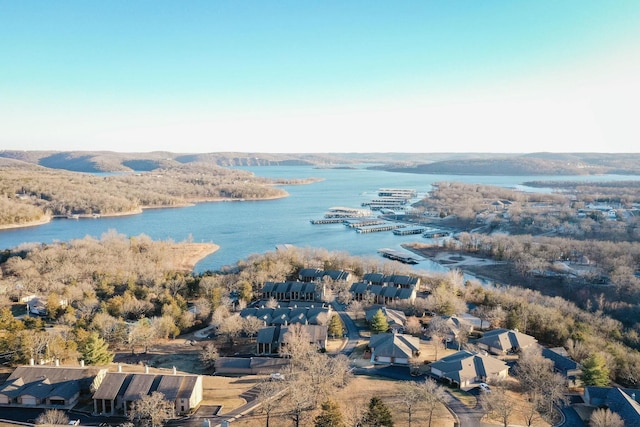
pixel 623 402
pixel 383 294
pixel 272 338
pixel 503 341
pixel 119 390
pixel 38 305
pixel 456 326
pixel 395 318
pixel 398 280
pixel 49 386
pixel 396 349
pixel 251 365
pixel 317 275
pixel 466 368
pixel 563 364
pixel 313 314
pixel 293 291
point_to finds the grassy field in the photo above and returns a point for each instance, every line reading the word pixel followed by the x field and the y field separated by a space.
pixel 355 397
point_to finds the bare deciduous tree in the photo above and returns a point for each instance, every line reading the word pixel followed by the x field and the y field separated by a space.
pixel 209 355
pixel 52 417
pixel 268 397
pixel 152 410
pixel 498 405
pixel 605 418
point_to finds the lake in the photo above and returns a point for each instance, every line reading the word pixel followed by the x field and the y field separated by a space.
pixel 245 228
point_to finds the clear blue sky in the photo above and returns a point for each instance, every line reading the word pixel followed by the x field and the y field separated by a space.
pixel 320 76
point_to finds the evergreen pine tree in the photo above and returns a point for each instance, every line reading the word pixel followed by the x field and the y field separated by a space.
pixel 595 371
pixel 379 322
pixel 336 327
pixel 330 416
pixel 96 351
pixel 378 415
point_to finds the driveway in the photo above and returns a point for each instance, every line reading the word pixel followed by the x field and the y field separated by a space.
pixel 353 334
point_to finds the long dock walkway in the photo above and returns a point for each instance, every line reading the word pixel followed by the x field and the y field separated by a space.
pixel 377 228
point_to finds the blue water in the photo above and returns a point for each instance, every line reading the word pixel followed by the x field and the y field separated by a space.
pixel 245 228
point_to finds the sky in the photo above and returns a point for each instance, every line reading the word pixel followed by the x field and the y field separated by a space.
pixel 300 76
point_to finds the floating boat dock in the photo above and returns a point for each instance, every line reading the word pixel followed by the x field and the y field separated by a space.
pixel 398 256
pixel 327 221
pixel 377 228
pixel 434 234
pixel 355 223
pixel 398 192
pixel 409 230
pixel 341 212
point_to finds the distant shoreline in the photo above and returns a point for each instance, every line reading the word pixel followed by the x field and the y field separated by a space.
pixel 140 210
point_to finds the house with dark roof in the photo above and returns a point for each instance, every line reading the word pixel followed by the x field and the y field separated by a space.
pixel 382 294
pixel 317 275
pixel 251 365
pixel 313 314
pixel 397 280
pixel 503 341
pixel 119 390
pixel 456 326
pixel 563 364
pixel 465 368
pixel 270 339
pixel 396 349
pixel 292 291
pixel 49 386
pixel 623 402
pixel 395 318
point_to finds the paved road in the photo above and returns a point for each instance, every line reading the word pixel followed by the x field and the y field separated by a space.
pixel 353 334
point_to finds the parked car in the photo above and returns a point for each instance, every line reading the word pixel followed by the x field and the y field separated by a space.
pixel 484 387
pixel 74 422
pixel 276 376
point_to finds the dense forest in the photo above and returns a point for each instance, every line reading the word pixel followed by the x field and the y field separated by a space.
pixel 608 211
pixel 33 193
pixel 124 290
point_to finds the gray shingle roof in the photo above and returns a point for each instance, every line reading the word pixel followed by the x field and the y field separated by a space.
pixel 111 385
pixel 394 345
pixel 140 386
pixel 465 366
pixel 505 339
pixel 44 381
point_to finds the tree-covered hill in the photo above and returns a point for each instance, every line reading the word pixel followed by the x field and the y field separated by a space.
pixel 531 164
pixel 30 193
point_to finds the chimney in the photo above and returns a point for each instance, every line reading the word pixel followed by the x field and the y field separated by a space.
pixel 175 371
pixel 119 367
